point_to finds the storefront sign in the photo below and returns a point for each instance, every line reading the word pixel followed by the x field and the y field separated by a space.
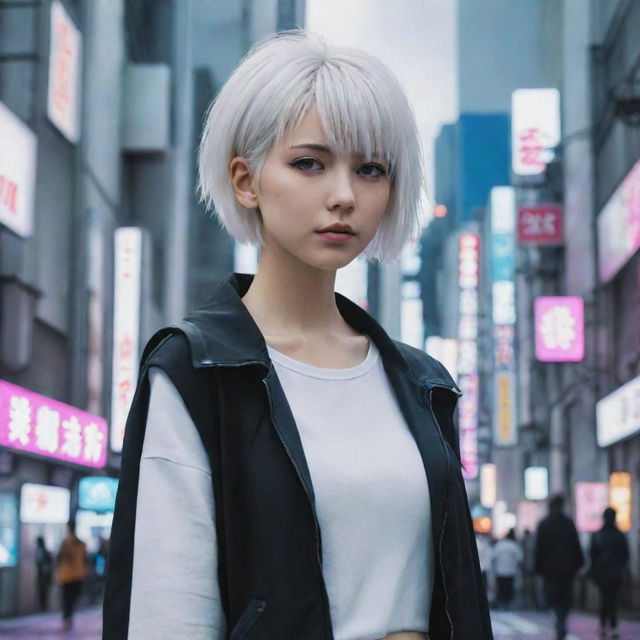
pixel 504 418
pixel 18 149
pixel 618 414
pixel 126 329
pixel 468 282
pixel 535 129
pixel 488 485
pixel 620 498
pixel 559 329
pixel 540 225
pixel 37 424
pixel 592 498
pixel 619 226
pixel 65 62
pixel 97 494
pixel 536 483
pixel 41 504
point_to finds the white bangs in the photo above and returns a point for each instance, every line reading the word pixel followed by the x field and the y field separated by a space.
pixel 360 104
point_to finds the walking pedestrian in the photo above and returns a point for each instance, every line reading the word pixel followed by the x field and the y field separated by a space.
pixel 559 556
pixel 44 571
pixel 289 470
pixel 71 572
pixel 506 562
pixel 609 555
pixel 529 578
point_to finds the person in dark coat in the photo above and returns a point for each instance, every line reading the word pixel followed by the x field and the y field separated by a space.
pixel 558 558
pixel 44 569
pixel 609 555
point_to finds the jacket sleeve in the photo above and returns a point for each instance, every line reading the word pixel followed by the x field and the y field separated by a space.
pixel 174 591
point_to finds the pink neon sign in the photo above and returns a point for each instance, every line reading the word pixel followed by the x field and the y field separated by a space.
pixel 559 329
pixel 592 498
pixel 37 424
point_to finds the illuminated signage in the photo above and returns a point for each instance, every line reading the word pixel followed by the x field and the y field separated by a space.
pixel 559 324
pixel 592 498
pixel 18 147
pixel 468 282
pixel 540 225
pixel 529 515
pixel 8 529
pixel 620 498
pixel 504 418
pixel 38 424
pixel 41 504
pixel 535 129
pixel 126 329
pixel 65 60
pixel 619 226
pixel 488 485
pixel 503 222
pixel 97 494
pixel 618 414
pixel 536 483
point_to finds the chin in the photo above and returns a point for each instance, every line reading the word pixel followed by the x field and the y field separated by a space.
pixel 329 262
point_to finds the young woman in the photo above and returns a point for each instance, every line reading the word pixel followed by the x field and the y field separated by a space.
pixel 289 472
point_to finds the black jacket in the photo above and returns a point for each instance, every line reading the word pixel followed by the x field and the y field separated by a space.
pixel 609 554
pixel 558 552
pixel 269 540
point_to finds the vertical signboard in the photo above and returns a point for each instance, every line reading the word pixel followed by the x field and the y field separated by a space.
pixel 126 328
pixel 488 485
pixel 468 282
pixel 620 498
pixel 535 129
pixel 18 147
pixel 559 324
pixel 503 223
pixel 65 61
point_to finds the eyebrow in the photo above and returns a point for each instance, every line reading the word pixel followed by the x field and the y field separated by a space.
pixel 317 147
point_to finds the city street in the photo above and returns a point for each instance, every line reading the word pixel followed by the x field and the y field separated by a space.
pixel 521 625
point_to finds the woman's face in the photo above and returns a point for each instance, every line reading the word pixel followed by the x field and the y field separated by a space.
pixel 304 188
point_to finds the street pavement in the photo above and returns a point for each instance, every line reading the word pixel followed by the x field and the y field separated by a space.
pixel 507 625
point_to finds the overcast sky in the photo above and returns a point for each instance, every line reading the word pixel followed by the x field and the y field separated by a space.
pixel 416 38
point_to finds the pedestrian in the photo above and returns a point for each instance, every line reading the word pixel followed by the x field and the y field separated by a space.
pixel 529 577
pixel 506 562
pixel 609 555
pixel 71 572
pixel 483 543
pixel 289 470
pixel 44 571
pixel 558 558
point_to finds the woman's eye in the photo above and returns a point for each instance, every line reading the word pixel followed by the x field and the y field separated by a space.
pixel 306 164
pixel 373 170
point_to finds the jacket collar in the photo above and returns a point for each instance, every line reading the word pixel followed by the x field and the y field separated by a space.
pixel 222 332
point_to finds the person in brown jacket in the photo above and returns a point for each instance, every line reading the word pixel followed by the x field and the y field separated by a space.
pixel 71 572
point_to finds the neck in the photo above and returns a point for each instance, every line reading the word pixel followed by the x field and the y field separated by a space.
pixel 290 297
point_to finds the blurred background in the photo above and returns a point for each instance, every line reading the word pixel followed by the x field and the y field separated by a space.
pixel 524 282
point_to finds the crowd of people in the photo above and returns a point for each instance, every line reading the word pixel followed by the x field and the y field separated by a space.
pixel 73 569
pixel 539 570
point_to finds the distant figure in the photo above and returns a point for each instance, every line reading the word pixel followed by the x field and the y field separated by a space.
pixel 506 561
pixel 44 569
pixel 71 572
pixel 558 558
pixel 609 553
pixel 484 555
pixel 529 578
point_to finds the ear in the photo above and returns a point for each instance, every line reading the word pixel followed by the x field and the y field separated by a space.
pixel 242 183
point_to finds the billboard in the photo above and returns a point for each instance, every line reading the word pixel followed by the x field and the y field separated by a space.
pixel 540 225
pixel 559 322
pixel 37 424
pixel 618 414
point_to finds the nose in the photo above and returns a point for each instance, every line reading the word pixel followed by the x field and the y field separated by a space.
pixel 341 195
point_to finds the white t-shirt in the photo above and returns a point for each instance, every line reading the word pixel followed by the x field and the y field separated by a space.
pixel 372 502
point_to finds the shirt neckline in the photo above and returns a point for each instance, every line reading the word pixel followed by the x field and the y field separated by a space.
pixel 325 373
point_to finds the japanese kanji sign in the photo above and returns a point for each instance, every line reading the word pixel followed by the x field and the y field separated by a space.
pixel 38 424
pixel 540 225
pixel 559 329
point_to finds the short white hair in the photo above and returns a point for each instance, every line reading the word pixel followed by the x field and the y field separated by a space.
pixel 361 105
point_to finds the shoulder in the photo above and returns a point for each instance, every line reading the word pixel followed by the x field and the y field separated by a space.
pixel 423 366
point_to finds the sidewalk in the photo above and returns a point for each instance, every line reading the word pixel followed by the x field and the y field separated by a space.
pixel 87 625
